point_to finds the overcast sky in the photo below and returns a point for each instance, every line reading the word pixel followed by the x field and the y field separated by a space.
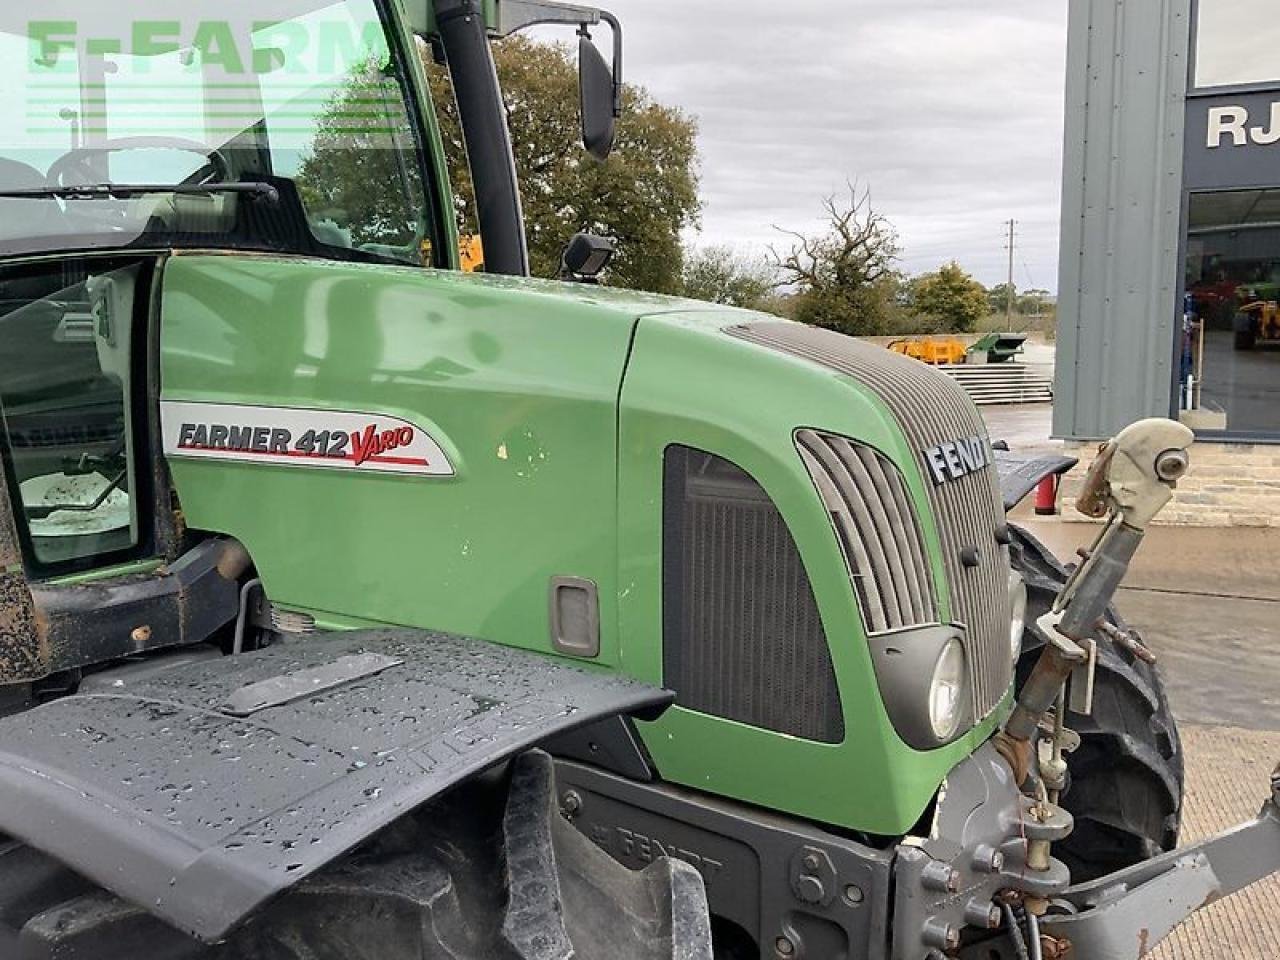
pixel 949 110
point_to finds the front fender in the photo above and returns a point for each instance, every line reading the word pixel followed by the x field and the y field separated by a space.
pixel 201 791
pixel 1020 474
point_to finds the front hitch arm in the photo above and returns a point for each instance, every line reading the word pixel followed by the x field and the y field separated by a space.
pixel 1125 915
pixel 1131 481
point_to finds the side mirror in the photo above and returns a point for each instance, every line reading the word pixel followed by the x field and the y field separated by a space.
pixel 599 84
pixel 596 86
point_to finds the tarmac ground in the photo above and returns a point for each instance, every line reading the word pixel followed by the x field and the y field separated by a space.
pixel 1207 602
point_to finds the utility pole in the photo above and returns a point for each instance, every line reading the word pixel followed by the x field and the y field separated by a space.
pixel 1008 299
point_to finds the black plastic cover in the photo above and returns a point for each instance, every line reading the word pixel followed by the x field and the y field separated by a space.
pixel 1019 474
pixel 156 792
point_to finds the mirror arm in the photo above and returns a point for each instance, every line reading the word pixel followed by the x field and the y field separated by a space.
pixel 616 27
pixel 517 15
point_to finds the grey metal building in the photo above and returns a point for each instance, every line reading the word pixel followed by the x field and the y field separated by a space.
pixel 1169 285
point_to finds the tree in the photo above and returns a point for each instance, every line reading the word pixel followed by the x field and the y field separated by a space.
pixel 355 173
pixel 1032 302
pixel 998 297
pixel 641 197
pixel 719 274
pixel 952 298
pixel 845 278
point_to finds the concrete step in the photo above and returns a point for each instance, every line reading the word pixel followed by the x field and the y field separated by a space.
pixel 989 384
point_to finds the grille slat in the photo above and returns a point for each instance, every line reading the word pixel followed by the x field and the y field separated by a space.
pixel 855 546
pixel 901 518
pixel 871 563
pixel 930 409
pixel 881 537
pixel 860 461
pixel 893 586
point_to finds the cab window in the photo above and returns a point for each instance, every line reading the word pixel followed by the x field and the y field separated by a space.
pixel 297 116
pixel 66 392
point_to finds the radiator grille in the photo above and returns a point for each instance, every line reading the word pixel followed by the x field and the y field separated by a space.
pixel 931 409
pixel 878 531
pixel 742 637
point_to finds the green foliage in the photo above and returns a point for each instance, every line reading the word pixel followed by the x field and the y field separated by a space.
pixel 951 298
pixel 870 310
pixel 641 197
pixel 998 297
pixel 844 279
pixel 1026 303
pixel 360 172
pixel 719 274
pixel 1033 303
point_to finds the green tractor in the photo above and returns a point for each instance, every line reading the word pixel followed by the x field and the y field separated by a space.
pixel 355 606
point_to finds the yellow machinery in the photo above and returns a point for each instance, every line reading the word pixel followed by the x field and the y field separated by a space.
pixel 1257 320
pixel 930 350
pixel 472 249
pixel 470 252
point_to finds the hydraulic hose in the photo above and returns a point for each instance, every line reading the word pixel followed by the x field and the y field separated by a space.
pixel 1015 932
pixel 237 645
pixel 1033 937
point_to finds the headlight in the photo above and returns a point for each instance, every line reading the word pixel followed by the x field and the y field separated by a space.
pixel 1018 613
pixel 946 691
pixel 923 673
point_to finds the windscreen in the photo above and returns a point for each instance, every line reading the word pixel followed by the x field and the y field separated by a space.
pixel 281 125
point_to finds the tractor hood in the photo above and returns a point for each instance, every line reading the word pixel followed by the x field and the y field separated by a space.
pixel 487 457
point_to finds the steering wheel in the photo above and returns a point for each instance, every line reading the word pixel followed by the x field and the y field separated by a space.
pixel 72 169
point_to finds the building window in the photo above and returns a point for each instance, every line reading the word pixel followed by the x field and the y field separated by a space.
pixel 1237 42
pixel 742 637
pixel 1230 355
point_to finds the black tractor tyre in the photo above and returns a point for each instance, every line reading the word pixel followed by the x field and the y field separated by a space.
pixel 1125 782
pixel 1246 339
pixel 492 871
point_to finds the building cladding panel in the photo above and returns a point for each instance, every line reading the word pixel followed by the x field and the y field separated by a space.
pixel 1119 275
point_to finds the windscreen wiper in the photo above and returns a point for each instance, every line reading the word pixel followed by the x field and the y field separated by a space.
pixel 128 191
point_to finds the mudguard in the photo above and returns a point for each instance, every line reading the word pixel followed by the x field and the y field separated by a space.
pixel 1019 474
pixel 202 791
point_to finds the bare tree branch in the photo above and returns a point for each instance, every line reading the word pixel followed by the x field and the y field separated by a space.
pixel 858 248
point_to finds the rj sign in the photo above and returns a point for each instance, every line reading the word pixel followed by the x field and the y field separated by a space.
pixel 1231 141
pixel 1233 125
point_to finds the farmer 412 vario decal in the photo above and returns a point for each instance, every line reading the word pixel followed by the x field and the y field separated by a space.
pixel 298 437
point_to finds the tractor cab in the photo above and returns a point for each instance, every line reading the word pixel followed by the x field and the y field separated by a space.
pixel 297 128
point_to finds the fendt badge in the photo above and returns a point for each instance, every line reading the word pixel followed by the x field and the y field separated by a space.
pixel 957 458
